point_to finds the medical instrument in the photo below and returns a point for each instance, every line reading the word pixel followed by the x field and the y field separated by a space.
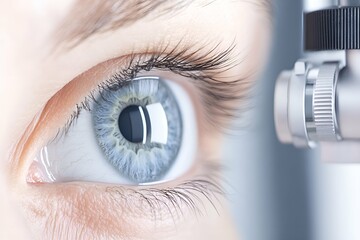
pixel 317 104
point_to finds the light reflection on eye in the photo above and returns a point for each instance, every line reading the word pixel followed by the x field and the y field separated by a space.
pixel 140 132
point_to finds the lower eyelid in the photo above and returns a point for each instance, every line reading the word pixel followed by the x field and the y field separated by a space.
pixel 119 211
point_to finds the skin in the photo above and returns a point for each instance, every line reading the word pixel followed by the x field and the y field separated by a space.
pixel 32 71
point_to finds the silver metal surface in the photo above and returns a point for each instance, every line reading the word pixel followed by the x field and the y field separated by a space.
pixel 349 3
pixel 324 103
pixel 353 63
pixel 313 5
pixel 348 97
pixel 317 103
pixel 296 108
pixel 281 107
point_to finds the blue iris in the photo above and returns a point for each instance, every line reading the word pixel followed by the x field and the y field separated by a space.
pixel 140 163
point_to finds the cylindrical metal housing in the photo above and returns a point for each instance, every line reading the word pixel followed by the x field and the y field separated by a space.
pixel 348 97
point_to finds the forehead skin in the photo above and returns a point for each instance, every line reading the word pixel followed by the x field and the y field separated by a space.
pixel 27 43
pixel 45 44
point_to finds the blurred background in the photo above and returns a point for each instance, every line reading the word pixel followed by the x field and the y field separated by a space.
pixel 279 192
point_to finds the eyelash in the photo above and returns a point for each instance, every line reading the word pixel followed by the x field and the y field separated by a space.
pixel 187 194
pixel 202 69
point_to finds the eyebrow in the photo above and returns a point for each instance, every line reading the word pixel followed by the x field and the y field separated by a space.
pixel 89 17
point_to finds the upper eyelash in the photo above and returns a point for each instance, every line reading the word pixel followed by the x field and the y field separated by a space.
pixel 202 68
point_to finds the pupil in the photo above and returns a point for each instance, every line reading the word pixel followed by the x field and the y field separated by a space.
pixel 131 124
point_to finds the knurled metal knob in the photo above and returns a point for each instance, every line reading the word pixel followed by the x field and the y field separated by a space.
pixel 332 29
pixel 324 103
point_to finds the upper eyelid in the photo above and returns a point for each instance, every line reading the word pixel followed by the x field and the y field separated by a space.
pixel 203 67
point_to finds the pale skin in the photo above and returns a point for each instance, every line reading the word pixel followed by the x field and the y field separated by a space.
pixel 35 66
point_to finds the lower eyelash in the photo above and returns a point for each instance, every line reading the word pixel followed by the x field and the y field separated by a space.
pixel 187 196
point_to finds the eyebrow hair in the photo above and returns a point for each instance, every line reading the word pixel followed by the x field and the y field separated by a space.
pixel 88 17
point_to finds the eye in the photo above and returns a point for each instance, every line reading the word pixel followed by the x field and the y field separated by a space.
pixel 138 131
pixel 135 121
pixel 133 139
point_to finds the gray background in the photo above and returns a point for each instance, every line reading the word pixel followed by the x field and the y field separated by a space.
pixel 278 192
pixel 269 185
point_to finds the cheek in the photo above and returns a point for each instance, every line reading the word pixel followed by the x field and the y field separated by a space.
pixel 72 214
pixel 78 212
